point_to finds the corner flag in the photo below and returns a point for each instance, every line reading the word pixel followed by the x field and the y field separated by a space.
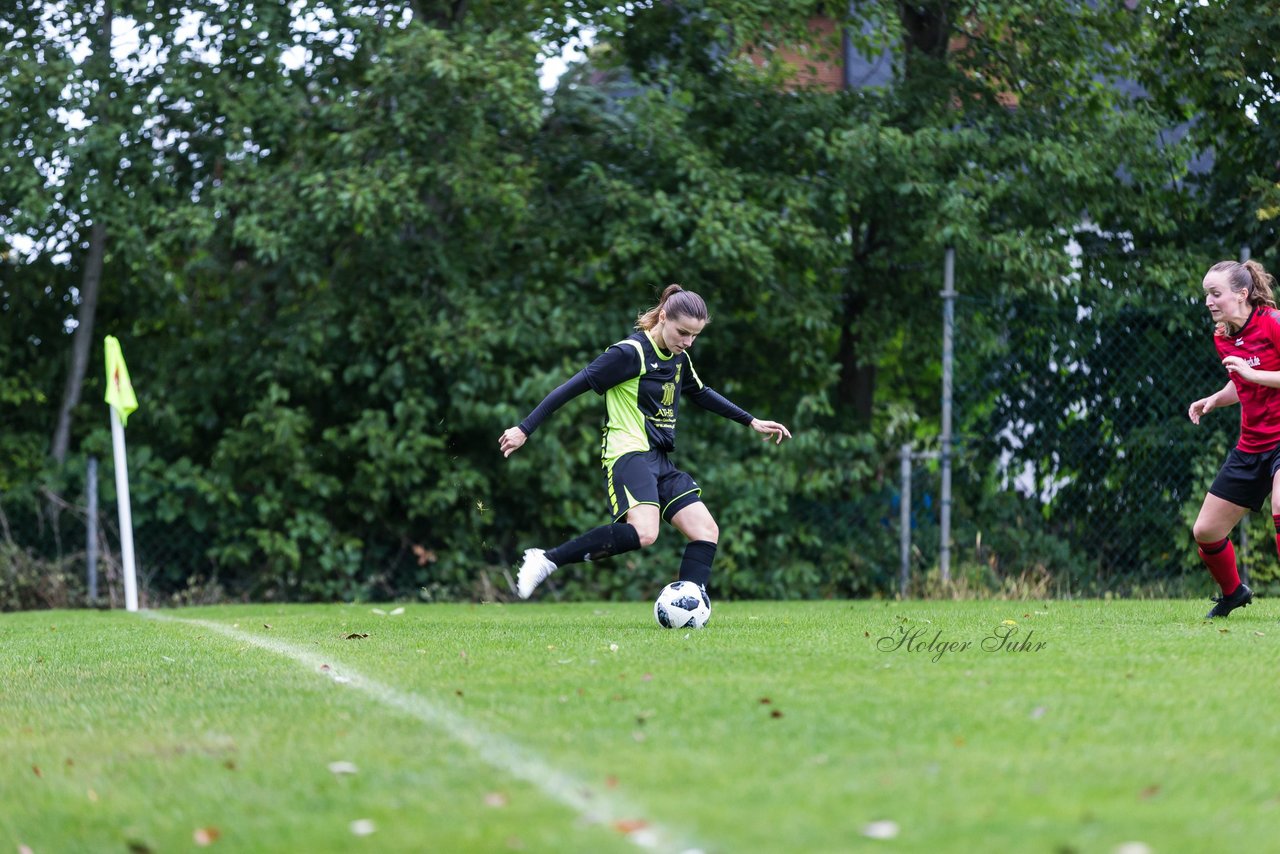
pixel 121 399
pixel 119 390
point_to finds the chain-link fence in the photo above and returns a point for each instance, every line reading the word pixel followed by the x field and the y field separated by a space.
pixel 57 553
pixel 1076 469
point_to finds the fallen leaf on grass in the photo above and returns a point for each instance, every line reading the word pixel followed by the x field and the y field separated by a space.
pixel 343 767
pixel 611 782
pixel 1008 623
pixel 357 635
pixel 363 827
pixel 36 768
pixel 630 825
pixel 776 713
pixel 205 836
pixel 881 830
pixel 1150 791
pixel 764 701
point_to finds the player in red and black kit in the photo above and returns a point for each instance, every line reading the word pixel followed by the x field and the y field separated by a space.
pixel 1247 334
pixel 642 379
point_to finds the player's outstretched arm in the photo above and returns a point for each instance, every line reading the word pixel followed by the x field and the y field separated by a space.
pixel 771 428
pixel 511 440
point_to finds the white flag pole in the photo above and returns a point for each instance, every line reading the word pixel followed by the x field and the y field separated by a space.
pixel 126 515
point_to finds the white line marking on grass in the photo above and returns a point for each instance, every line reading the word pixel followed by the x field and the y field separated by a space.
pixel 505 755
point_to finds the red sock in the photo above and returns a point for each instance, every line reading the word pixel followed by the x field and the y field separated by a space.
pixel 1220 558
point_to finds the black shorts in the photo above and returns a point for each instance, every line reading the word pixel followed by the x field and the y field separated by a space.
pixel 1245 479
pixel 648 477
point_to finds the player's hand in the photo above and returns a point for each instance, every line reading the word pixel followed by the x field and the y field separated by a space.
pixel 771 428
pixel 1237 365
pixel 1198 409
pixel 511 440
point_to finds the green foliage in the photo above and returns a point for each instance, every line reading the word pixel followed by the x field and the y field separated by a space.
pixel 345 256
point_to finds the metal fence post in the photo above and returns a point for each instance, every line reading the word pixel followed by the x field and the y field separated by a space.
pixel 948 326
pixel 91 546
pixel 904 520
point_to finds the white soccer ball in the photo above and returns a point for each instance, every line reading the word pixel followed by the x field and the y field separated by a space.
pixel 682 605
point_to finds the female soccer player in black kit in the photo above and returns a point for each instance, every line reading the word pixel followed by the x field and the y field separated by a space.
pixel 642 377
pixel 1247 334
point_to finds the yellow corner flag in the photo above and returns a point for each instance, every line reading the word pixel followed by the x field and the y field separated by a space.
pixel 119 389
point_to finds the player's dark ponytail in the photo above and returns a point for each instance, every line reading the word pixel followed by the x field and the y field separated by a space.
pixel 677 302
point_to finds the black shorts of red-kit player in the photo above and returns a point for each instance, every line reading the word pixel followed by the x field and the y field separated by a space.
pixel 696 565
pixel 602 542
pixel 1246 479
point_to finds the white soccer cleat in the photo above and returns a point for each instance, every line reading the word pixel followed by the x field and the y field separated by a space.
pixel 535 569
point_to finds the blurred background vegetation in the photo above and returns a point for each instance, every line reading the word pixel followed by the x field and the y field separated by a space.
pixel 344 246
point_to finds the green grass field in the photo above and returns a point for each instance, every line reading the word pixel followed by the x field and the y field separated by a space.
pixel 544 727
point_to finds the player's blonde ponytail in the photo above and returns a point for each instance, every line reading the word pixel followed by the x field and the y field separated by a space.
pixel 1263 290
pixel 676 302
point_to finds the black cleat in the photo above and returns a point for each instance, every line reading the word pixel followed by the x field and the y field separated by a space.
pixel 1226 604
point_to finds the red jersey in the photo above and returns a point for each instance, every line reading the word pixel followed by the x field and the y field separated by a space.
pixel 1258 343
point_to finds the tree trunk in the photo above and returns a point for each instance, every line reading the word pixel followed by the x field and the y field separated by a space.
pixel 855 392
pixel 82 340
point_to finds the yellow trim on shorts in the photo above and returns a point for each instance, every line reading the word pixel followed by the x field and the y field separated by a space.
pixel 619 517
pixel 697 489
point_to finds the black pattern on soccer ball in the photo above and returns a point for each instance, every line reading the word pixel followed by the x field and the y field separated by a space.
pixel 664 619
